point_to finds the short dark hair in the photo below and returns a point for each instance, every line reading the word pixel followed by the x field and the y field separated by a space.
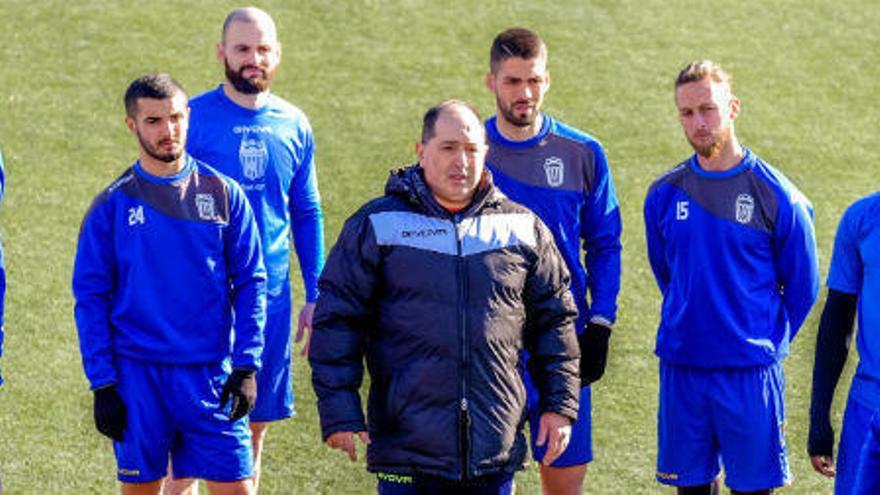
pixel 429 122
pixel 155 86
pixel 516 43
pixel 699 70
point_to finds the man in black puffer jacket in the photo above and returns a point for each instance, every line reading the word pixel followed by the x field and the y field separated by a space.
pixel 441 284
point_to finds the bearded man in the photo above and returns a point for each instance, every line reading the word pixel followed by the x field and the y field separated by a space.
pixel 266 145
pixel 731 244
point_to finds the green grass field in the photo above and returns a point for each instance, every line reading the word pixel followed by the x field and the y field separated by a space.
pixel 365 71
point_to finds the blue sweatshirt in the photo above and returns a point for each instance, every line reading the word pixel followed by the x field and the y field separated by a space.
pixel 734 255
pixel 161 264
pixel 855 269
pixel 270 152
pixel 562 175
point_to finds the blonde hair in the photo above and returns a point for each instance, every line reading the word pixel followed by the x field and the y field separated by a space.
pixel 699 70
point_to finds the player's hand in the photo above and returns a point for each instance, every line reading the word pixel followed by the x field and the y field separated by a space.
pixel 302 323
pixel 344 441
pixel 820 443
pixel 110 417
pixel 555 431
pixel 824 465
pixel 593 342
pixel 241 389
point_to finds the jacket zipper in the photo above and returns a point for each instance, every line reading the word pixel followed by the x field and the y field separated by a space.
pixel 464 414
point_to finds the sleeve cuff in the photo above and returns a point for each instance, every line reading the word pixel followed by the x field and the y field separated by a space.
pixel 602 320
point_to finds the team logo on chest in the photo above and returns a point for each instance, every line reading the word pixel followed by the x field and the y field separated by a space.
pixel 554 170
pixel 205 206
pixel 253 156
pixel 745 208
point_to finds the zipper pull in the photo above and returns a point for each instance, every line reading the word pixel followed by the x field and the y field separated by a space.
pixel 464 404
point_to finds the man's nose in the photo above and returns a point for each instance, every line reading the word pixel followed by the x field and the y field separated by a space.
pixel 460 159
pixel 171 128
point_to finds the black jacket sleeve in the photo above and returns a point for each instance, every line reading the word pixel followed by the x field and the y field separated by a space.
pixel 549 333
pixel 832 346
pixel 343 315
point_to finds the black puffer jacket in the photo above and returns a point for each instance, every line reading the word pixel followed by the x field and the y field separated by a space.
pixel 441 306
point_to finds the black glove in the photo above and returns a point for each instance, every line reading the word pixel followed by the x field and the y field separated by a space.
pixel 593 342
pixel 110 417
pixel 241 388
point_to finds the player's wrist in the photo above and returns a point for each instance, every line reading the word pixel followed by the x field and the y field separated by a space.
pixel 104 383
pixel 312 291
pixel 595 332
pixel 245 365
pixel 105 389
pixel 820 440
pixel 599 320
pixel 820 448
pixel 244 372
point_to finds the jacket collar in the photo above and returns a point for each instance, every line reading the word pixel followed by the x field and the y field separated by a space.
pixel 409 184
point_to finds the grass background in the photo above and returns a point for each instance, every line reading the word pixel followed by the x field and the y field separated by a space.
pixel 365 71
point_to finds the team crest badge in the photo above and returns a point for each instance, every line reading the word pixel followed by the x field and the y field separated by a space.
pixel 253 156
pixel 205 206
pixel 745 208
pixel 554 170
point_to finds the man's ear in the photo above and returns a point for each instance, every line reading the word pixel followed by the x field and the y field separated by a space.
pixel 220 52
pixel 130 123
pixel 735 107
pixel 490 81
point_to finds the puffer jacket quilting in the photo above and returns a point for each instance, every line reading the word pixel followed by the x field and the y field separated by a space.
pixel 441 306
